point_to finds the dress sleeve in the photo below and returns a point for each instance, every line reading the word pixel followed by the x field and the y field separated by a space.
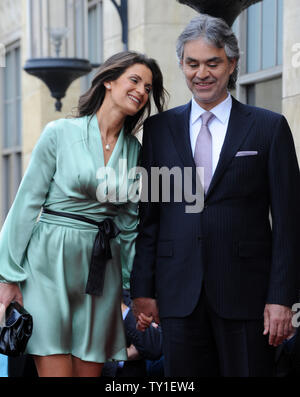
pixel 127 222
pixel 127 218
pixel 22 217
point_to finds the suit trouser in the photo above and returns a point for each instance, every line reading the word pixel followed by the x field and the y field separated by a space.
pixel 204 344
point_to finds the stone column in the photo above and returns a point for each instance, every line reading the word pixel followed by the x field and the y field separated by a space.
pixel 164 21
pixel 291 68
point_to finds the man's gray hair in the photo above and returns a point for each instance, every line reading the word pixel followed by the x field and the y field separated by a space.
pixel 216 32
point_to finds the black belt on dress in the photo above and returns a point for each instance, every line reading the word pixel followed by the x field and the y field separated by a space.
pixel 101 250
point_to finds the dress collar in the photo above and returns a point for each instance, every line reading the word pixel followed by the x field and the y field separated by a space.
pixel 93 127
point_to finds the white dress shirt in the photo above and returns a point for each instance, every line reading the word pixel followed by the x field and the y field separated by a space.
pixel 217 126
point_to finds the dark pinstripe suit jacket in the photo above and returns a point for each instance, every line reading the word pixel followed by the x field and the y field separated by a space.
pixel 232 249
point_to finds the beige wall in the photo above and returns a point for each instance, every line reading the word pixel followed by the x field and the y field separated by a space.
pixel 10 17
pixel 153 28
pixel 291 68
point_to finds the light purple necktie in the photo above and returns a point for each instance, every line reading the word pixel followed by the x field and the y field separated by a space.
pixel 203 149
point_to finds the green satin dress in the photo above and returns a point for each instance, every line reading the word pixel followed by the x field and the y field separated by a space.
pixel 50 255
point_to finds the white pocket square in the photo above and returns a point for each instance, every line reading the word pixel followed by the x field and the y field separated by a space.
pixel 247 153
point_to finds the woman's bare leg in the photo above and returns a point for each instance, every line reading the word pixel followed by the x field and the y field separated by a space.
pixel 86 368
pixel 57 365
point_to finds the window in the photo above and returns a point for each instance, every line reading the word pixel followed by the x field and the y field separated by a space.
pixel 11 127
pixel 260 37
pixel 95 38
pixel 264 35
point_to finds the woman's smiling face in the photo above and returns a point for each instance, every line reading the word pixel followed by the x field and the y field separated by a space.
pixel 130 92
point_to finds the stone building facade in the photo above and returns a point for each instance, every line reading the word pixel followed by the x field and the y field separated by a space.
pixel 269 77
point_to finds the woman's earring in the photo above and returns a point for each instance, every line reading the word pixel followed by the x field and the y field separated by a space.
pixel 107 86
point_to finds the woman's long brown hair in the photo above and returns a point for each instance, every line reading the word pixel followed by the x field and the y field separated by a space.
pixel 111 70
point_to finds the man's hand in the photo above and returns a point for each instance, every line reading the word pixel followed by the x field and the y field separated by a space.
pixel 146 306
pixel 144 322
pixel 278 323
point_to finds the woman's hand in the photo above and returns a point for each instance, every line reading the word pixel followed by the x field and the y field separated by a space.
pixel 133 353
pixel 10 292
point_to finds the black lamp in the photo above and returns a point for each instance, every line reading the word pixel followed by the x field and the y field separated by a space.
pixel 228 10
pixel 57 73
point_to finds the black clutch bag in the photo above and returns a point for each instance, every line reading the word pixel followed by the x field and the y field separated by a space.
pixel 16 331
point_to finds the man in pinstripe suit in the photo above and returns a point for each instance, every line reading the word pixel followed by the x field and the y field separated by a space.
pixel 224 279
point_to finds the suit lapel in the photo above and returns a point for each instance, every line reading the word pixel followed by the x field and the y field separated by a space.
pixel 240 123
pixel 179 127
pixel 239 126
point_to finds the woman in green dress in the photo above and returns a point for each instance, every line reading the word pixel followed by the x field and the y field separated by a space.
pixel 69 271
